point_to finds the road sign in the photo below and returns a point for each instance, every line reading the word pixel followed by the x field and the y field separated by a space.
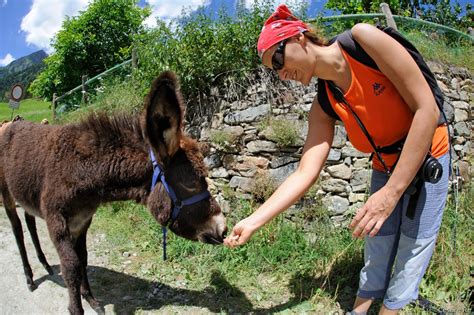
pixel 17 91
pixel 14 104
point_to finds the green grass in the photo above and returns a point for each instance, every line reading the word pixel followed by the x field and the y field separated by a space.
pixel 282 268
pixel 438 50
pixel 30 109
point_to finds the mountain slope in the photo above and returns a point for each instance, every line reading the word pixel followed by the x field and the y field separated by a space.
pixel 23 70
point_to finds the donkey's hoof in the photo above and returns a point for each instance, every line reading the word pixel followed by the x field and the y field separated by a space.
pixel 49 269
pixel 95 305
pixel 32 286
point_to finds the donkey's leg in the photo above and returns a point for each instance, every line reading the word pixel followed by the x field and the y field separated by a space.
pixel 31 223
pixel 81 250
pixel 70 263
pixel 18 232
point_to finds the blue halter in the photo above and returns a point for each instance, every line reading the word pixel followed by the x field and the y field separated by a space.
pixel 178 204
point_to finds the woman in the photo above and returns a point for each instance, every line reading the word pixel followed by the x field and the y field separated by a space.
pixel 392 102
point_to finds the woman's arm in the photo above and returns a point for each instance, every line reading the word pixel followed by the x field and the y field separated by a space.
pixel 315 152
pixel 396 63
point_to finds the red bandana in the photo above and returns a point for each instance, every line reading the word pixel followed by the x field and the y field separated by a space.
pixel 282 24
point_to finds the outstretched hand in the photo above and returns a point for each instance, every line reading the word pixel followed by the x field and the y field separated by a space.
pixel 369 219
pixel 241 233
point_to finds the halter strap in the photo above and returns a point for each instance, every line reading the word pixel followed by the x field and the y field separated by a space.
pixel 178 204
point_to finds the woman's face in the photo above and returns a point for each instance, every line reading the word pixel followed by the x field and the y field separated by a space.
pixel 290 59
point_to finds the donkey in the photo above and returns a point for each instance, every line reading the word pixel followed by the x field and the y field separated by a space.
pixel 63 173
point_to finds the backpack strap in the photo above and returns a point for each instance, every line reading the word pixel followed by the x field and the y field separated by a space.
pixel 323 100
pixel 352 47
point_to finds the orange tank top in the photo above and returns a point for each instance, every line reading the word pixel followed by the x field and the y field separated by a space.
pixel 382 110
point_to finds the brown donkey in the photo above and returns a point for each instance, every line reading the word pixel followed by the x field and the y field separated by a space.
pixel 63 173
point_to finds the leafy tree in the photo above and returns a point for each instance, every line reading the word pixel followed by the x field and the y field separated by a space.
pixel 438 11
pixel 88 44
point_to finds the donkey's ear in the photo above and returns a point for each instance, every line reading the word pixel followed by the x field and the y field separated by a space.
pixel 164 109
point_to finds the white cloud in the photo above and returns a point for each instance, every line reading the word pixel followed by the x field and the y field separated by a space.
pixel 6 60
pixel 168 9
pixel 4 3
pixel 45 19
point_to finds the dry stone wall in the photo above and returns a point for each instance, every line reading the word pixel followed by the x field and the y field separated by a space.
pixel 248 140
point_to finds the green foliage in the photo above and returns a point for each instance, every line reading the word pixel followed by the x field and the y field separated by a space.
pixel 111 94
pixel 441 49
pixel 88 44
pixel 284 133
pixel 222 138
pixel 438 11
pixel 264 187
pixel 202 51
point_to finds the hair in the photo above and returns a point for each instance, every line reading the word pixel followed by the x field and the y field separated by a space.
pixel 316 37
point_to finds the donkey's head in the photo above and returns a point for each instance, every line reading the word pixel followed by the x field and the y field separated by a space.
pixel 192 213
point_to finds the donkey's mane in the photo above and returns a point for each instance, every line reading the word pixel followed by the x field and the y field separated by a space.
pixel 118 126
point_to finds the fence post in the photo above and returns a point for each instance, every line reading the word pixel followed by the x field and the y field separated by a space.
pixel 134 58
pixel 388 15
pixel 53 106
pixel 84 90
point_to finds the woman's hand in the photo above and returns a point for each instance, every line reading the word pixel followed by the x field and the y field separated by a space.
pixel 369 219
pixel 241 233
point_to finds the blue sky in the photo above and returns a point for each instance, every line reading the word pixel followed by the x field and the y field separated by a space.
pixel 27 26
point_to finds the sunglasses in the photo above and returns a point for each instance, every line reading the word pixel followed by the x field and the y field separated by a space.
pixel 278 58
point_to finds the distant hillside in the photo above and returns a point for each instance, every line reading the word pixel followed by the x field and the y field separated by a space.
pixel 23 70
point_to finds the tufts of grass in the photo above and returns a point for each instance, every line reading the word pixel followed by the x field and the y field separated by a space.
pixel 224 140
pixel 112 96
pixel 284 133
pixel 442 50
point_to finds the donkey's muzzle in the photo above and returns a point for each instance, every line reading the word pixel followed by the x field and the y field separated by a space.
pixel 214 238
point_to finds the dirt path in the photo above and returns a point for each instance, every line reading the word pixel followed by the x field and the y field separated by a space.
pixel 51 296
pixel 118 292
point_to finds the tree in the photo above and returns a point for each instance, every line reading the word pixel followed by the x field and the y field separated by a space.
pixel 438 11
pixel 97 39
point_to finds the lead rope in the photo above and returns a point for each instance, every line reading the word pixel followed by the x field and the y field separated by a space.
pixel 156 176
pixel 165 232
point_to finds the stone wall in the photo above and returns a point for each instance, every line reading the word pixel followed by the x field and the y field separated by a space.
pixel 245 147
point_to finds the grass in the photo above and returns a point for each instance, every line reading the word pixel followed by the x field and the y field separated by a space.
pixel 282 268
pixel 30 109
pixel 438 50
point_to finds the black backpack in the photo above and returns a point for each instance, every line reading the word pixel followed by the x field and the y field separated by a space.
pixel 353 48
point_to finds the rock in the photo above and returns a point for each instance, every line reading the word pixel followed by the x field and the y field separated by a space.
pixel 281 173
pixel 340 171
pixel 460 115
pixel 462 129
pixel 212 161
pixel 280 161
pixel 334 155
pixel 350 151
pixel 360 180
pixel 261 146
pixel 361 163
pixel 234 131
pixel 247 115
pixel 335 204
pixel 340 137
pixel 334 185
pixel 218 173
pixel 245 184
